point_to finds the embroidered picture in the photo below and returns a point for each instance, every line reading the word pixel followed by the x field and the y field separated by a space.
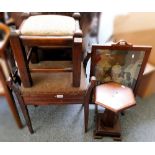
pixel 118 66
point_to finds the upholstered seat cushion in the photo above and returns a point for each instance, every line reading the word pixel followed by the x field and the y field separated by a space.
pixel 51 83
pixel 48 25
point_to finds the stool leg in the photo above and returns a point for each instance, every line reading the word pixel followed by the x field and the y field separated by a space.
pixel 25 112
pixel 27 117
pixel 76 59
pixel 21 59
pixel 10 99
pixel 13 108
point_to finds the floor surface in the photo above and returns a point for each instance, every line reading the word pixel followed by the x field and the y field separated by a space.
pixel 66 123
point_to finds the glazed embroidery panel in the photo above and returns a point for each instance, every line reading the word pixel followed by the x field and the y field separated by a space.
pixel 119 66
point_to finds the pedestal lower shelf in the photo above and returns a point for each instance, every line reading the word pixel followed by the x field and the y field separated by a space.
pixel 101 130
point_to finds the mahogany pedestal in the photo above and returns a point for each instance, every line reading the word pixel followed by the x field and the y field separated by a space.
pixel 107 124
pixel 115 98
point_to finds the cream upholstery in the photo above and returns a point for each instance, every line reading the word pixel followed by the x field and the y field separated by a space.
pixel 4 67
pixel 48 25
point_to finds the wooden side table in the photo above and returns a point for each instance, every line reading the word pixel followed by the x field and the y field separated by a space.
pixel 114 98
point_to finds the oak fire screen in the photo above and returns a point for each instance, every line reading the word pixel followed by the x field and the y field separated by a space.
pixel 122 63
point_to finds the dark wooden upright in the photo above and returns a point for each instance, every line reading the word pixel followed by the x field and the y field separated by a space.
pixel 20 56
pixel 5 79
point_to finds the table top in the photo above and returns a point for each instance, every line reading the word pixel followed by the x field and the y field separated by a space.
pixel 114 96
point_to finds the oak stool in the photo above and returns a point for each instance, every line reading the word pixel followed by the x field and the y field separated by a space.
pixel 47 31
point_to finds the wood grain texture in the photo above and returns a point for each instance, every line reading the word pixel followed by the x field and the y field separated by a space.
pixel 114 96
pixel 21 59
pixel 6 90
